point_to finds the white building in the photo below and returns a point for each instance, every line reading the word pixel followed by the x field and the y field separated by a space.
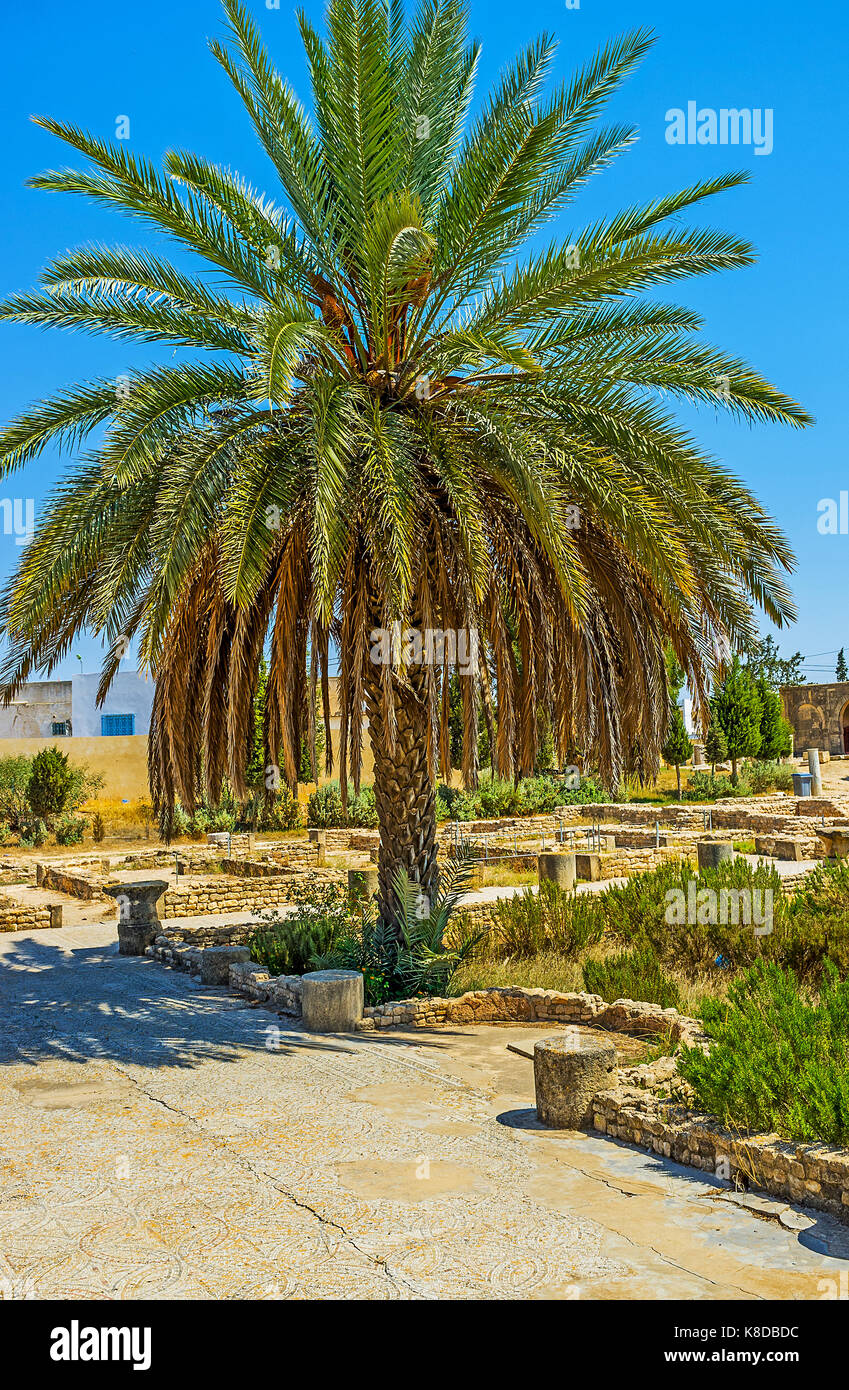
pixel 65 709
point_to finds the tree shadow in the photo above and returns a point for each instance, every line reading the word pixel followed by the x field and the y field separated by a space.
pixel 88 1003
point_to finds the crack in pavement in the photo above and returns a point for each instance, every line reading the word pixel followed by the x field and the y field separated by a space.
pixel 380 1261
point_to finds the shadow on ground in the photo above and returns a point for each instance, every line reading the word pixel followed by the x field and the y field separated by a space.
pixel 88 1003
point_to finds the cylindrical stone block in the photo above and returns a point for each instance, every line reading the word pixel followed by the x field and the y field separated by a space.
pixel 814 769
pixel 362 884
pixel 558 869
pixel 569 1071
pixel 714 852
pixel 331 1000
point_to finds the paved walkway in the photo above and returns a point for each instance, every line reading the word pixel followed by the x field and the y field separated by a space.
pixel 164 1140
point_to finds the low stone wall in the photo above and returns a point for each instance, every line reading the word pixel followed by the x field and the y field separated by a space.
pixel 221 893
pixel 75 884
pixel 20 917
pixel 830 807
pixel 514 1004
pixel 251 868
pixel 814 1174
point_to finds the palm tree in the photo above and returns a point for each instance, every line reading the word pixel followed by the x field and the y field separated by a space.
pixel 401 429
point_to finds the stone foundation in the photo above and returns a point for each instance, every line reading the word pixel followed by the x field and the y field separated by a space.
pixel 27 918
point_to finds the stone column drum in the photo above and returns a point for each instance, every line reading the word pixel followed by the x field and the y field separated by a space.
pixel 138 918
pixel 569 1071
pixel 712 853
pixel 331 1000
pixel 557 868
pixel 362 884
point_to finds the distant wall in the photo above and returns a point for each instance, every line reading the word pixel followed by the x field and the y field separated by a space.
pixel 39 704
pixel 817 714
pixel 121 761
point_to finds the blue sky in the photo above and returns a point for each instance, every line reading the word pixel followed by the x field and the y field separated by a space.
pixel 96 61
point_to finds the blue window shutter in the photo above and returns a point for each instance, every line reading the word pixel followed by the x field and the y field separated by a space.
pixel 113 725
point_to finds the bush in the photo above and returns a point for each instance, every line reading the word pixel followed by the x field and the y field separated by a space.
pixel 413 958
pixel 779 1062
pixel 704 786
pixel 14 780
pixel 635 974
pixel 325 810
pixel 767 776
pixel 283 813
pixel 70 830
pixel 532 796
pixel 98 829
pixel 33 833
pixel 289 945
pixel 548 920
pixel 50 783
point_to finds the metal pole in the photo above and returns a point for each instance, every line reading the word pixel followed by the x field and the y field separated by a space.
pixel 657 834
pixel 176 864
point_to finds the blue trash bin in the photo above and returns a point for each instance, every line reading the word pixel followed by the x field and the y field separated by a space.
pixel 802 783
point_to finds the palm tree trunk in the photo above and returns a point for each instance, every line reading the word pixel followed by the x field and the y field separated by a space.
pixel 403 788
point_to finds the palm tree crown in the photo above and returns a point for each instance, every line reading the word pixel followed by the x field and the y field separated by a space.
pixel 398 425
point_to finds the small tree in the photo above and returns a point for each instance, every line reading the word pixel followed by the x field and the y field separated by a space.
pixel 716 749
pixel 776 734
pixel 737 709
pixel 841 670
pixel 50 783
pixel 677 748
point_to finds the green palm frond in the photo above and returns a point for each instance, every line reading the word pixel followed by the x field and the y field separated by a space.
pixel 408 421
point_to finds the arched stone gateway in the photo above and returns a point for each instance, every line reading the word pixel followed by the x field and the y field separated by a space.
pixel 819 716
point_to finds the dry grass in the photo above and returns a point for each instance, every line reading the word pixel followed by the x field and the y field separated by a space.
pixel 120 816
pixel 503 876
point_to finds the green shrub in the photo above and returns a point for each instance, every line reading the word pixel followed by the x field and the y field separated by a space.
pixel 50 783
pixel 33 833
pixel 768 776
pixel 287 945
pixel 635 974
pixel 14 780
pixel 283 813
pixel 548 920
pixel 70 830
pixel 290 947
pixel 531 796
pixel 704 786
pixel 779 1061
pixel 325 810
pixel 413 957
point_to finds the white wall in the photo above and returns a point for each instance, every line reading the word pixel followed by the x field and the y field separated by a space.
pixel 36 707
pixel 130 693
